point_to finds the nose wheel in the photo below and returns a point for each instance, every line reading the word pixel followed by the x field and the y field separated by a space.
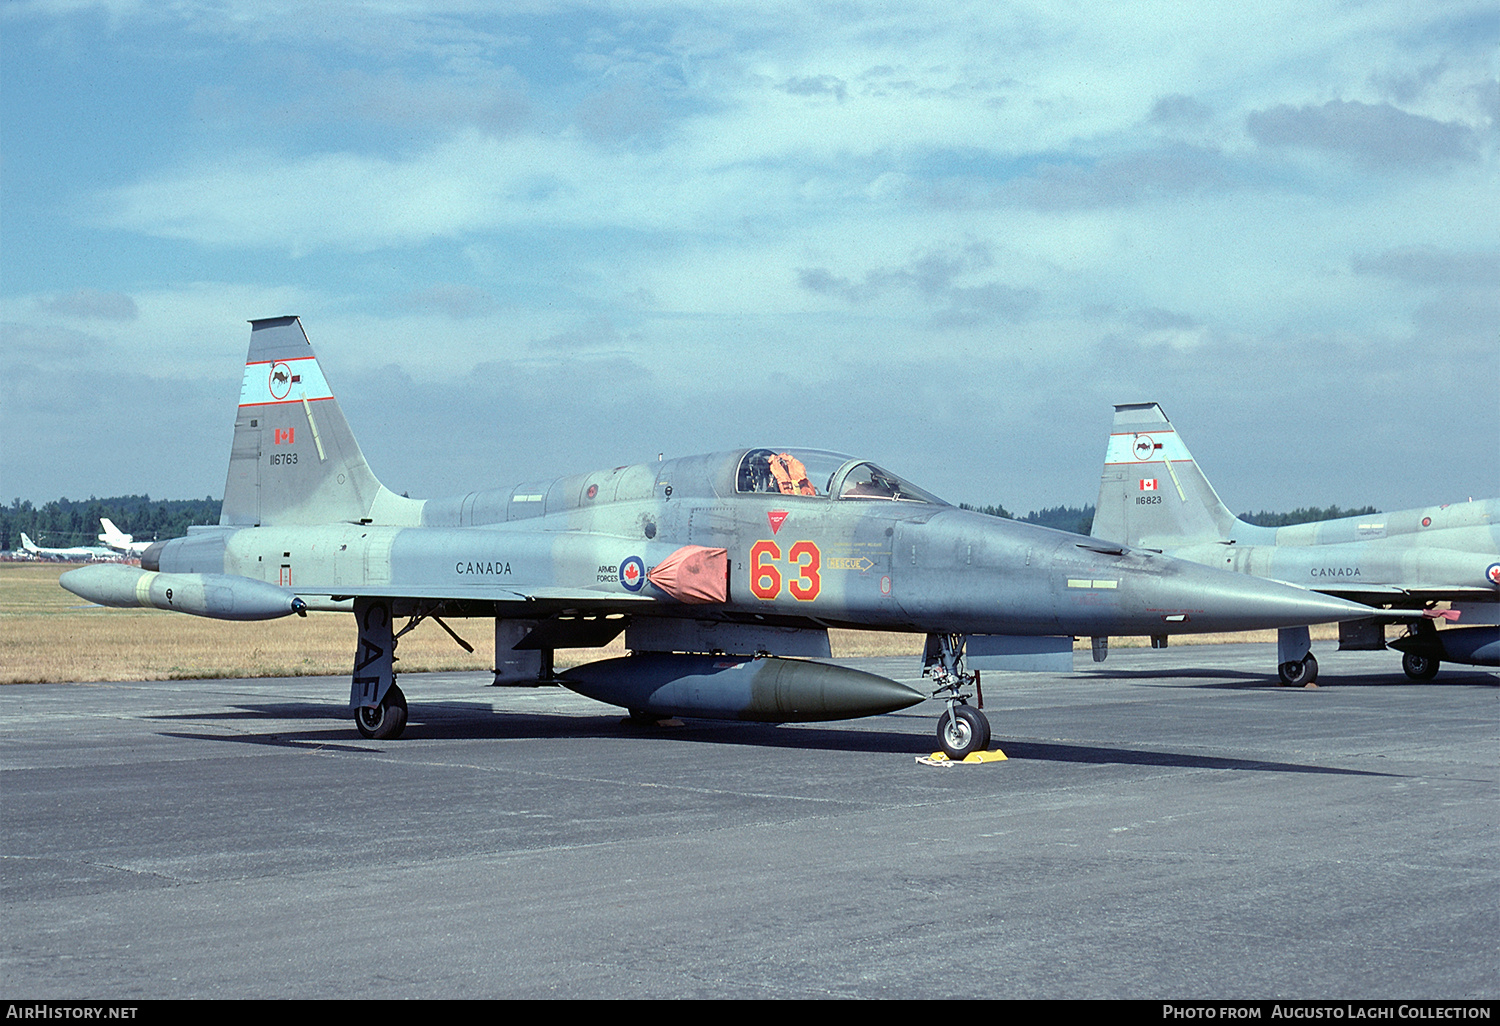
pixel 963 730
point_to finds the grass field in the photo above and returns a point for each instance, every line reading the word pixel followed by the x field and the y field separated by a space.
pixel 48 634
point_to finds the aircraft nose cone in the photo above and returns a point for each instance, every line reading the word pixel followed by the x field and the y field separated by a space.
pixel 1217 600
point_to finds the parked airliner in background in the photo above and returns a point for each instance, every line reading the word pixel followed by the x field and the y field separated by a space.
pixel 73 552
pixel 119 541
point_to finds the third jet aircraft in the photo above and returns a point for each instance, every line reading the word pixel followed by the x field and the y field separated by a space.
pixel 1153 496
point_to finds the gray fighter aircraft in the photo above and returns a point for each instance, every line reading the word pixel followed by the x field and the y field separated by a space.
pixel 1152 495
pixel 724 571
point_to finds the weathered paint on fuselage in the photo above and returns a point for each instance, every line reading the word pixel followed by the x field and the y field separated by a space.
pixel 1387 567
pixel 1438 548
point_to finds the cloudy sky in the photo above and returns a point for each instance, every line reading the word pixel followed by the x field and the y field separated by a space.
pixel 944 236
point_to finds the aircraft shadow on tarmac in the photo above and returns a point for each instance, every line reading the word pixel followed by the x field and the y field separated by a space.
pixel 456 721
pixel 1229 678
pixel 1130 757
pixel 1249 680
pixel 304 741
pixel 472 721
pixel 271 711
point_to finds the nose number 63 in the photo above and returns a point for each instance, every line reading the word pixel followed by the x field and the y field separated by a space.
pixel 765 573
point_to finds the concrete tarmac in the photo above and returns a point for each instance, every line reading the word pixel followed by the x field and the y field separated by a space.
pixel 1169 825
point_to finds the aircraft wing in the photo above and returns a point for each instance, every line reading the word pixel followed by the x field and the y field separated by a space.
pixel 550 595
pixel 1375 594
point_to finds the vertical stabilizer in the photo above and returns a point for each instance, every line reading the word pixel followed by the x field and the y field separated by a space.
pixel 1152 494
pixel 294 459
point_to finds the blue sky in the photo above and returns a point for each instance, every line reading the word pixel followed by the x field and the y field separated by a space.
pixel 943 236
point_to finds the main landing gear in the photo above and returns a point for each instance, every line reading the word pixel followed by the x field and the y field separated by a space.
pixel 1295 665
pixel 1299 672
pixel 386 720
pixel 963 729
pixel 378 704
pixel 1420 665
pixel 1421 650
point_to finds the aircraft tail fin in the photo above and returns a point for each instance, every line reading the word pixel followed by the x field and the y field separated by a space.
pixel 1152 493
pixel 294 459
pixel 28 544
pixel 111 532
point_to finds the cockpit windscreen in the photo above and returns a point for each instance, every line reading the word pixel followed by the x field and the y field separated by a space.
pixel 814 472
pixel 867 481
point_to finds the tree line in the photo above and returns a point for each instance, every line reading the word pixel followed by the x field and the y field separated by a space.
pixel 1075 519
pixel 1080 519
pixel 67 522
pixel 64 522
pixel 1304 515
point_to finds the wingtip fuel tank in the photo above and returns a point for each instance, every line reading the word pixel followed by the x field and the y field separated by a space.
pixel 219 596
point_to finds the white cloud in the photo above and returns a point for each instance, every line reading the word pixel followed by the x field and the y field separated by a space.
pixel 654 201
pixel 182 333
pixel 91 304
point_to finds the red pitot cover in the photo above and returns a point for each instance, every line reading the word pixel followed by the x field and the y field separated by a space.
pixel 694 574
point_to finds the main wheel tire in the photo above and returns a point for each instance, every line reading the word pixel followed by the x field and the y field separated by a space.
pixel 1419 666
pixel 386 721
pixel 963 731
pixel 1299 674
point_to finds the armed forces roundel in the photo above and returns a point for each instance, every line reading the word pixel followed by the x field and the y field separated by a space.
pixel 632 573
pixel 1493 573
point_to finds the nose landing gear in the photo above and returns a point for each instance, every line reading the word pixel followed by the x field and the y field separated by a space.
pixel 963 729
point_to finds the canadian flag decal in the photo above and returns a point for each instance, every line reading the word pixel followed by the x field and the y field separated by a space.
pixel 1148 484
pixel 284 435
pixel 777 517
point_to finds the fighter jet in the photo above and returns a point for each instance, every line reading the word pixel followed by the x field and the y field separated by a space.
pixel 119 541
pixel 724 571
pixel 1153 496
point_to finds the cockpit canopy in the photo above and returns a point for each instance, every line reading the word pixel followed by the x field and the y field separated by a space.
pixel 816 473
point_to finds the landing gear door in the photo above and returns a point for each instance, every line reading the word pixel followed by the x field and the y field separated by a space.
pixel 374 663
